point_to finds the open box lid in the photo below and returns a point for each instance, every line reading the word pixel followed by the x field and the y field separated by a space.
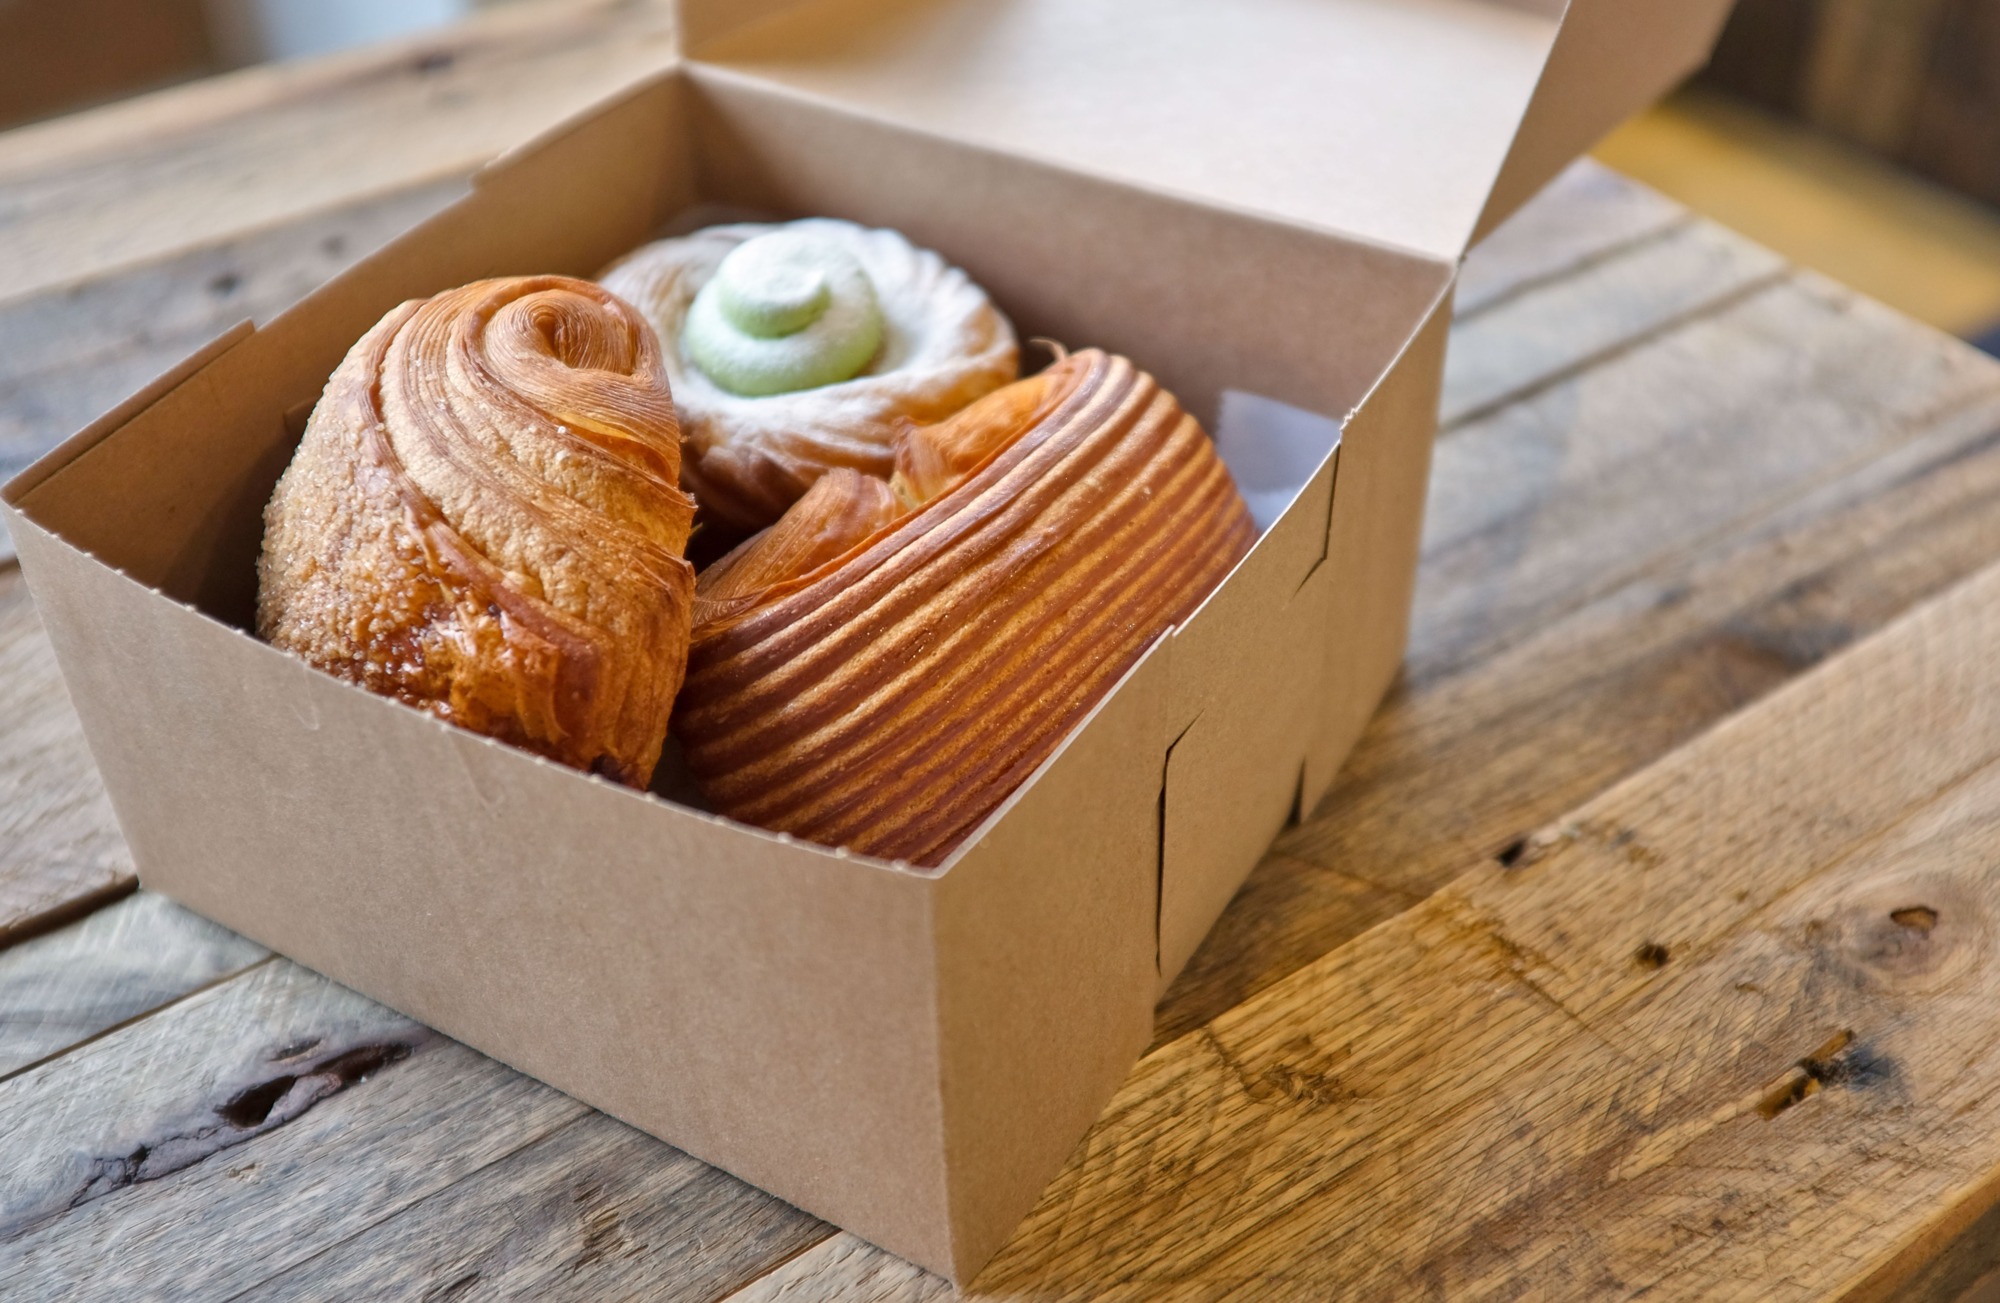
pixel 1417 124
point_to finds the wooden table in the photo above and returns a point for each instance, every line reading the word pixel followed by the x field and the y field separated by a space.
pixel 1570 989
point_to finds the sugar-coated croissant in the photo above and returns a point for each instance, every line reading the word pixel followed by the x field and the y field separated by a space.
pixel 484 519
pixel 801 347
pixel 881 668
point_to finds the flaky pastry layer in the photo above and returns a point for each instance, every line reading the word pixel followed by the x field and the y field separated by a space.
pixel 484 520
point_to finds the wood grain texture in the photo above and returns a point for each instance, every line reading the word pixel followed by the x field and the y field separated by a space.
pixel 1726 1032
pixel 191 166
pixel 121 1161
pixel 118 962
pixel 1509 347
pixel 844 1268
pixel 75 352
pixel 281 1111
pixel 60 851
pixel 1925 251
pixel 594 1211
pixel 1614 565
pixel 1581 487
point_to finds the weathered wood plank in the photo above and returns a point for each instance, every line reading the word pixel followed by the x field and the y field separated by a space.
pixel 268 145
pixel 1670 566
pixel 1562 497
pixel 844 1269
pixel 1727 1032
pixel 60 850
pixel 1514 345
pixel 277 1105
pixel 594 1211
pixel 281 1111
pixel 75 352
pixel 115 964
pixel 1965 1269
pixel 1587 214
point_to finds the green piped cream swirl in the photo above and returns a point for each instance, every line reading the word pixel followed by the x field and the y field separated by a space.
pixel 785 311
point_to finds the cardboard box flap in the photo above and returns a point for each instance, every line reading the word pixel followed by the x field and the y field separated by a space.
pixel 1386 120
pixel 1611 59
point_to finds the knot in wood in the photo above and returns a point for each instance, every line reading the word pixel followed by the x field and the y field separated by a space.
pixel 1913 932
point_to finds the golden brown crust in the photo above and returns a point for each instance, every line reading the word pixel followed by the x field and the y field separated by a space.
pixel 889 698
pixel 839 510
pixel 484 520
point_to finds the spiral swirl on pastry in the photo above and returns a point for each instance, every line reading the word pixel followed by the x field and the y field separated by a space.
pixel 882 668
pixel 754 444
pixel 484 520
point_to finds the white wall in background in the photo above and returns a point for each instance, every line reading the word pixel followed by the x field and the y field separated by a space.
pixel 251 31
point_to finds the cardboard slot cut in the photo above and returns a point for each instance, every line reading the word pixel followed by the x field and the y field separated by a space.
pixel 908 1054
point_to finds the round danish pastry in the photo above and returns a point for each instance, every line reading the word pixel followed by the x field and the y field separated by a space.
pixel 797 348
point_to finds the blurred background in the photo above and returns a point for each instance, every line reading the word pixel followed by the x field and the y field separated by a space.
pixel 1857 137
pixel 57 56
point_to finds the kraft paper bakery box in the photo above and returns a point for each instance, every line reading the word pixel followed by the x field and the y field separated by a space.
pixel 1262 203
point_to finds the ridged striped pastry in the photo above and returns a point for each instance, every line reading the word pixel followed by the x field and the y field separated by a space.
pixel 885 665
pixel 484 519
